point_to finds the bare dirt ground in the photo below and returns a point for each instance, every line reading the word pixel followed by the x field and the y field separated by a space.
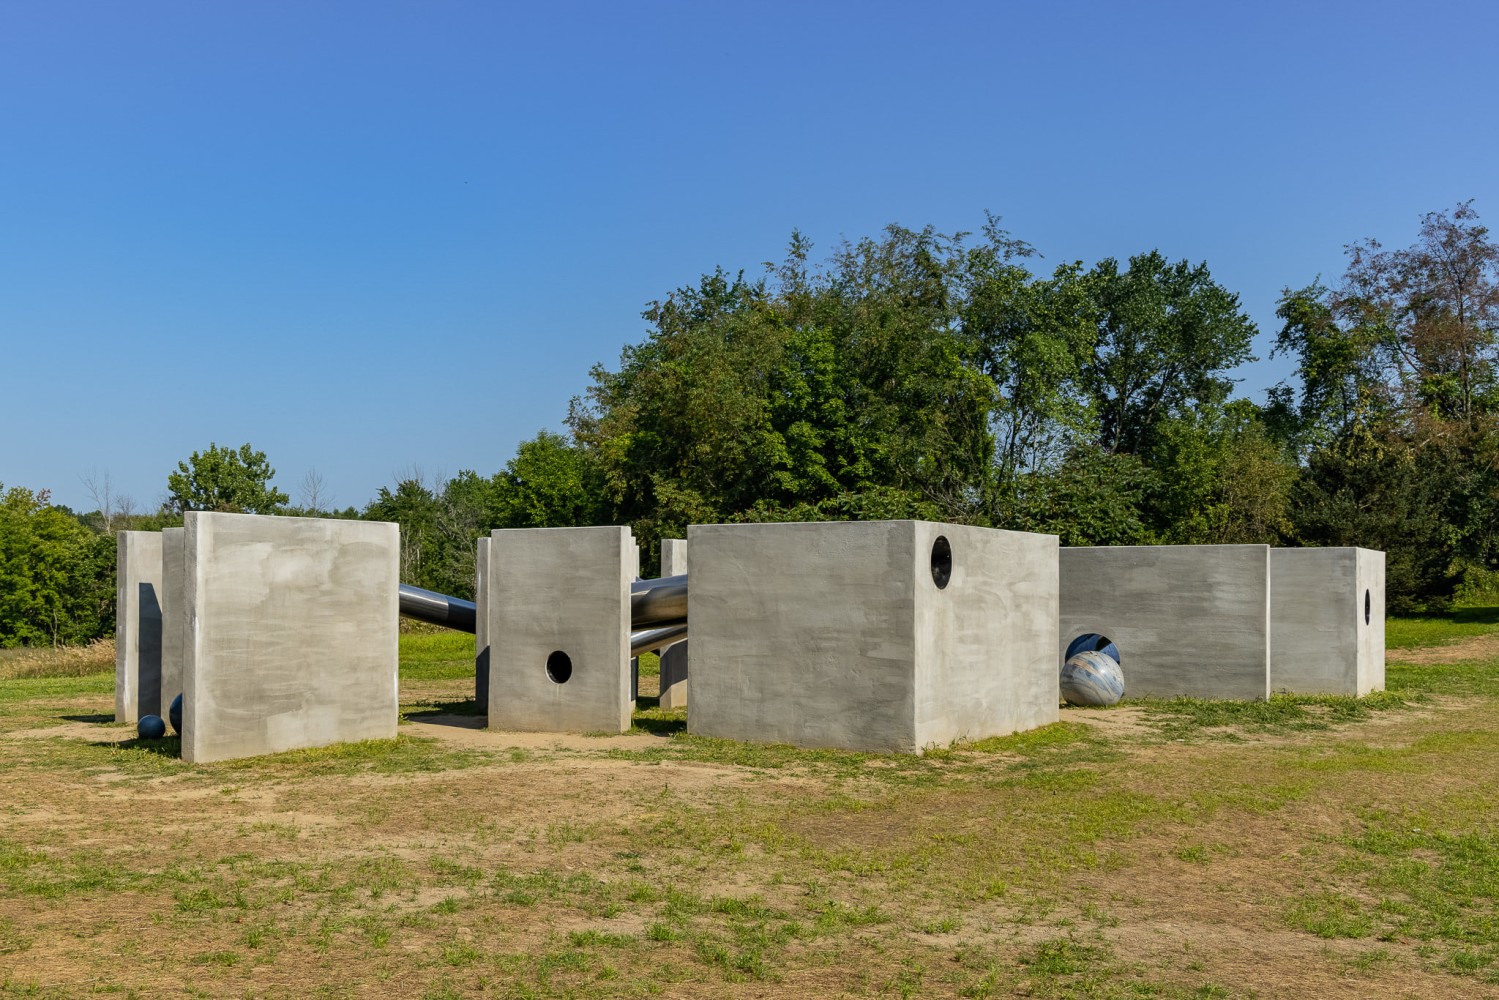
pixel 1101 861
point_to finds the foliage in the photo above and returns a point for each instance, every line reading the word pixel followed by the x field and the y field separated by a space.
pixel 56 576
pixel 227 480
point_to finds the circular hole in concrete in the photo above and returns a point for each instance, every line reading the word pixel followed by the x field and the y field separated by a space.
pixel 1368 607
pixel 559 667
pixel 941 561
pixel 1093 642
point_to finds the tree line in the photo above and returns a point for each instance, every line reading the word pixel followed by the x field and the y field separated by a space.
pixel 952 377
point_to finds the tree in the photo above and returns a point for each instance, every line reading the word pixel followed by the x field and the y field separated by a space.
pixel 223 479
pixel 56 575
pixel 1167 336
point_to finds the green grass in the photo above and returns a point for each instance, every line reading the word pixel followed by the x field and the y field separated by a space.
pixel 1436 628
pixel 436 655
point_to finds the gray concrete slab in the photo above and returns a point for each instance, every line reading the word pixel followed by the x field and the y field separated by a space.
pixel 1189 620
pixel 839 635
pixel 137 625
pixel 570 607
pixel 173 613
pixel 481 624
pixel 674 657
pixel 292 633
pixel 1327 621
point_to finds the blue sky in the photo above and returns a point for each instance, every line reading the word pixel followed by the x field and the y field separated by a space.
pixel 371 237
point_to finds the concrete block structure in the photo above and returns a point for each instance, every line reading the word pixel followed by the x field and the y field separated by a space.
pixel 292 633
pixel 138 625
pixel 1189 620
pixel 564 662
pixel 1327 621
pixel 481 625
pixel 876 635
pixel 173 613
pixel 674 657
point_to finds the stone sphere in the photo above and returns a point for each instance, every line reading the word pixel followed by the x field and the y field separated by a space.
pixel 150 727
pixel 175 714
pixel 1092 679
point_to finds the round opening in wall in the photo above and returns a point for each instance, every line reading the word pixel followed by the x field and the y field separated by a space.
pixel 1092 642
pixel 559 667
pixel 941 561
pixel 1368 607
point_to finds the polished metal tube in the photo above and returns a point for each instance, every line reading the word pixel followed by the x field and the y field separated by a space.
pixel 439 609
pixel 658 611
pixel 656 638
pixel 659 601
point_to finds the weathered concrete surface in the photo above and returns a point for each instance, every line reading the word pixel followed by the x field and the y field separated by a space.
pixel 138 625
pixel 674 657
pixel 837 634
pixel 481 624
pixel 173 613
pixel 1189 620
pixel 574 599
pixel 292 633
pixel 1321 641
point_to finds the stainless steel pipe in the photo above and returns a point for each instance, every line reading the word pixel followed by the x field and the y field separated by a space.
pixel 658 611
pixel 658 601
pixel 438 609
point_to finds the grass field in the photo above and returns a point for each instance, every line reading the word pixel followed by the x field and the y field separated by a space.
pixel 1308 847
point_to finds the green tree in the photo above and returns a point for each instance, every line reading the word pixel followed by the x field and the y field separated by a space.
pixel 1167 336
pixel 56 575
pixel 550 483
pixel 227 480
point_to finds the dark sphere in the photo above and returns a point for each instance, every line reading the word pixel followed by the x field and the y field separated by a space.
pixel 150 727
pixel 175 714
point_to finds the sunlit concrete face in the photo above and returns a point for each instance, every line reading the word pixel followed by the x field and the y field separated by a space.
pixel 292 633
pixel 138 625
pixel 1327 621
pixel 883 635
pixel 558 611
pixel 1188 620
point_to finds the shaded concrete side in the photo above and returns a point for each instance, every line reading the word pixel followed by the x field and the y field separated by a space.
pixel 173 613
pixel 573 598
pixel 481 624
pixel 635 660
pixel 1189 620
pixel 804 633
pixel 674 657
pixel 1371 629
pixel 985 642
pixel 137 625
pixel 292 633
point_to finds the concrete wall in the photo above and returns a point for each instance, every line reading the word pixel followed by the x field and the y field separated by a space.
pixel 1188 619
pixel 292 633
pixel 985 664
pixel 173 613
pixel 1320 641
pixel 837 634
pixel 573 598
pixel 138 625
pixel 674 657
pixel 481 625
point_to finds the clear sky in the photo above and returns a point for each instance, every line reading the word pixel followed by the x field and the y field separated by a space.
pixel 369 236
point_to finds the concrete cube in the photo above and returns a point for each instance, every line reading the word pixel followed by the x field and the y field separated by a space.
pixel 876 635
pixel 137 625
pixel 1189 620
pixel 564 662
pixel 292 633
pixel 674 657
pixel 1327 621
pixel 173 613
